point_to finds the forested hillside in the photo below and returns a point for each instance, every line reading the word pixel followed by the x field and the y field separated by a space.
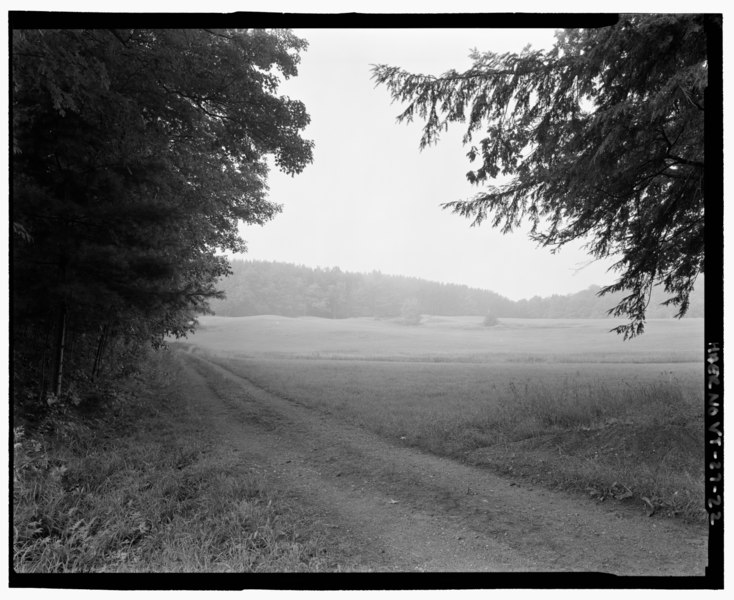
pixel 257 287
pixel 260 287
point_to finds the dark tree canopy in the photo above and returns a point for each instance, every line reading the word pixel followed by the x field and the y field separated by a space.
pixel 136 153
pixel 602 136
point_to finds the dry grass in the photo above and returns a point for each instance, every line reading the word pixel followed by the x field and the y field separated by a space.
pixel 591 433
pixel 451 339
pixel 564 404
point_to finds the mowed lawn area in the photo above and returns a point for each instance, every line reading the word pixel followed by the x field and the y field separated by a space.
pixel 561 403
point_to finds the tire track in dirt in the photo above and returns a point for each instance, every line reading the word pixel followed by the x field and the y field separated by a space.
pixel 419 512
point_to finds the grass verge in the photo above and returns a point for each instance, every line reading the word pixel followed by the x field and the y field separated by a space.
pixel 643 445
pixel 139 484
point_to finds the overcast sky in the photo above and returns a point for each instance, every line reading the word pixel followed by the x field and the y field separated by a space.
pixel 370 200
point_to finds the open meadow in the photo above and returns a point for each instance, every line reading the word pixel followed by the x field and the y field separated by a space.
pixel 564 403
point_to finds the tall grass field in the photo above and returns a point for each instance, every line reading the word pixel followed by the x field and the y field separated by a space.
pixel 560 403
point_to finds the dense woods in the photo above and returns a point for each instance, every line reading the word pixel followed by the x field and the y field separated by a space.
pixel 135 155
pixel 259 287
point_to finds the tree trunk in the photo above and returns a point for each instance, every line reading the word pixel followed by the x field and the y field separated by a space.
pixel 71 339
pixel 44 358
pixel 100 348
pixel 60 341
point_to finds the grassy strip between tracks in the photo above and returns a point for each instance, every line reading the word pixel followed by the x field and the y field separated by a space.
pixel 139 484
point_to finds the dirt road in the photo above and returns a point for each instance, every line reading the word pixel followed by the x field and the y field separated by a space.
pixel 410 511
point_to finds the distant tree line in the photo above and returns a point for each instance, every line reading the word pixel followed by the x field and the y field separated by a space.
pixel 261 287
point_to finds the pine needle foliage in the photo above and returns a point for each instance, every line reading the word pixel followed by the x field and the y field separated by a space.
pixel 602 139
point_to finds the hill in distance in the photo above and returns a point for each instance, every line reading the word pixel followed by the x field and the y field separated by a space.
pixel 262 287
